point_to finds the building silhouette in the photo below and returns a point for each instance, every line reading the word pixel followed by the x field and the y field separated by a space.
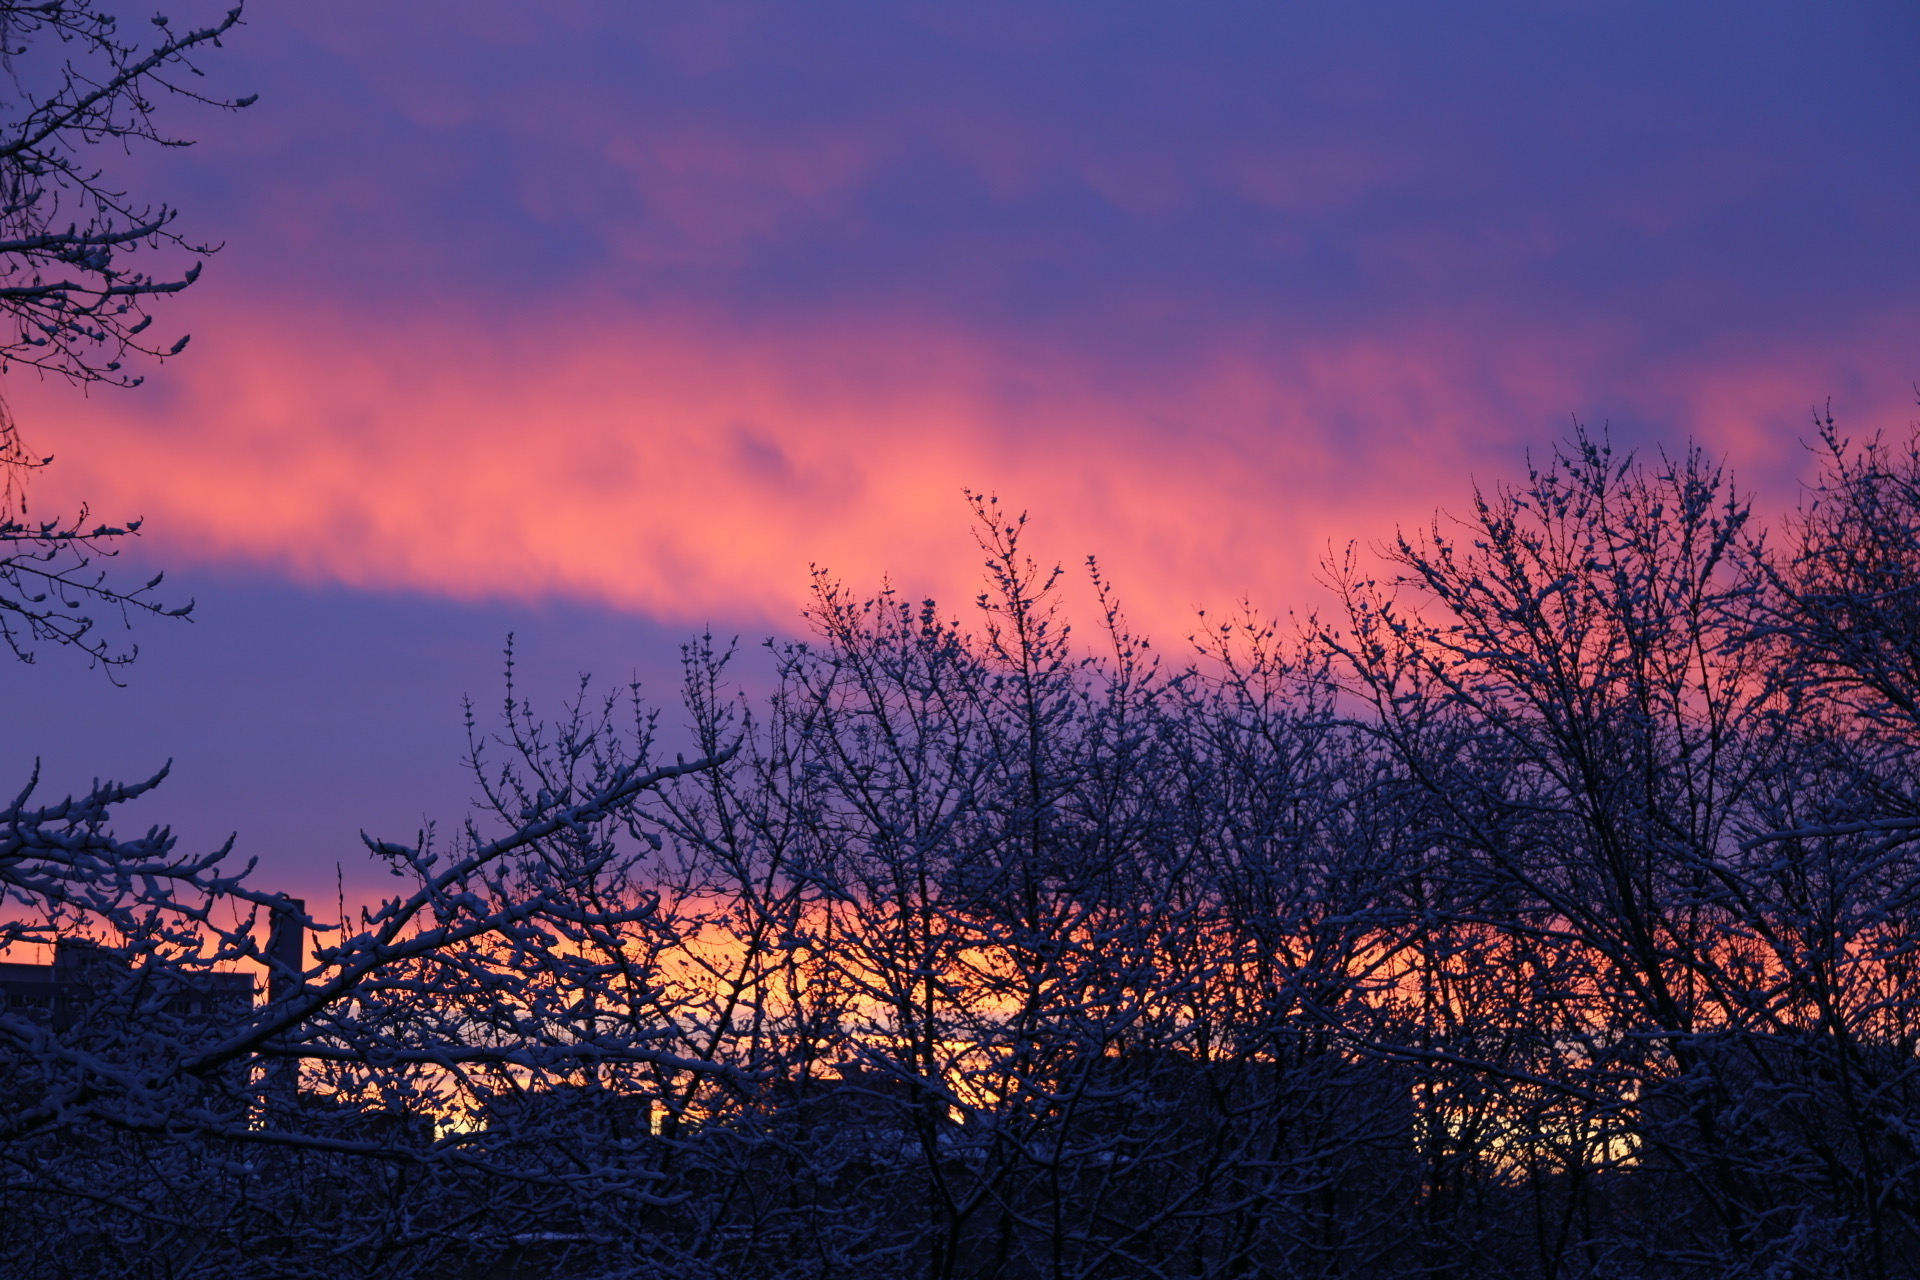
pixel 86 979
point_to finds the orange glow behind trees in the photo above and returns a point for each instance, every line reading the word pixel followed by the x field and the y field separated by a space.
pixel 1567 875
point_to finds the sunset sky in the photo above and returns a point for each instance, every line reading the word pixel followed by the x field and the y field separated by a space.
pixel 601 321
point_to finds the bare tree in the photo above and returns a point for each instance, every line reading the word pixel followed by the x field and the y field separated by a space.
pixel 1551 917
pixel 1577 684
pixel 51 589
pixel 78 80
pixel 73 85
pixel 447 1046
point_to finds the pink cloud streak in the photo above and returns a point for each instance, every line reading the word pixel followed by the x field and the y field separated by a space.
pixel 692 471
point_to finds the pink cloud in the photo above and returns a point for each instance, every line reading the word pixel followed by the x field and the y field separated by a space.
pixel 690 471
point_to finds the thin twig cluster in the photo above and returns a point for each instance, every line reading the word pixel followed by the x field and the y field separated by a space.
pixel 1548 911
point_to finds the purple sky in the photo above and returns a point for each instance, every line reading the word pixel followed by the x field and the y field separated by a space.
pixel 596 321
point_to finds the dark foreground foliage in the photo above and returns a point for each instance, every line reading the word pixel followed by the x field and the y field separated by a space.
pixel 1548 913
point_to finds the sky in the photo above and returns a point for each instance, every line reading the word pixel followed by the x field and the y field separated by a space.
pixel 601 322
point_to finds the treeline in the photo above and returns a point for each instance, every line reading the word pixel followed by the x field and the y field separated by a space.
pixel 1545 910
